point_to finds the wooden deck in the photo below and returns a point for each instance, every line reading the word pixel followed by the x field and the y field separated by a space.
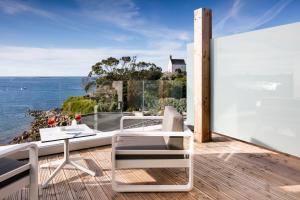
pixel 224 169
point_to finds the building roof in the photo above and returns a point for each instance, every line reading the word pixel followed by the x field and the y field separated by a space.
pixel 178 61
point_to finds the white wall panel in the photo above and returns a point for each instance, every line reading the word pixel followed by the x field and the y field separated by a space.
pixel 190 83
pixel 256 87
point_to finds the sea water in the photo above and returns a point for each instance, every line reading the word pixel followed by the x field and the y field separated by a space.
pixel 20 94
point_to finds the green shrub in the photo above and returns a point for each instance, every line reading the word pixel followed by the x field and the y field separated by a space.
pixel 107 106
pixel 178 88
pixel 86 105
pixel 83 105
pixel 179 104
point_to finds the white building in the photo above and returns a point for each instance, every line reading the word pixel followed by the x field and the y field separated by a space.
pixel 176 64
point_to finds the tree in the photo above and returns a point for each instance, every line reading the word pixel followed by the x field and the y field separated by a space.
pixel 122 69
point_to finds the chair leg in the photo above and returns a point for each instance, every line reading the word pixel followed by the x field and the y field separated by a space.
pixel 34 186
pixel 34 191
pixel 154 188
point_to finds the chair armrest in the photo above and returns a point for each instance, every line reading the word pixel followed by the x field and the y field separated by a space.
pixel 186 133
pixel 16 148
pixel 32 165
pixel 137 117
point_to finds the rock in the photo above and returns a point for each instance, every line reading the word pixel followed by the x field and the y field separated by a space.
pixel 40 121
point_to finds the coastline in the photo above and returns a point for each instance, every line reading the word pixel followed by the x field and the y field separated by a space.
pixel 40 121
pixel 20 94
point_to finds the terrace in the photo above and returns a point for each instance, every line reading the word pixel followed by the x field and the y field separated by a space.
pixel 255 157
pixel 223 169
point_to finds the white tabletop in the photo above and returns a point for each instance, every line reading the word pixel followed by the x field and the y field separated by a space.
pixel 65 132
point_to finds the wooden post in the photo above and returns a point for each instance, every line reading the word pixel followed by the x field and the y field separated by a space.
pixel 202 37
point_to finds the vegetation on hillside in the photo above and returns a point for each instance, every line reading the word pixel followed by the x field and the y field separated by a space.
pixel 83 105
pixel 144 87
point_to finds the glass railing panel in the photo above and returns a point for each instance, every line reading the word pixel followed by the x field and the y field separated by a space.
pixel 133 96
pixel 151 96
pixel 101 104
pixel 105 105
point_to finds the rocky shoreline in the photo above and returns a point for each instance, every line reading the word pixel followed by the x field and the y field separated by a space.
pixel 40 121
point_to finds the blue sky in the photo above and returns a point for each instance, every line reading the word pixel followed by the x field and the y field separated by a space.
pixel 65 37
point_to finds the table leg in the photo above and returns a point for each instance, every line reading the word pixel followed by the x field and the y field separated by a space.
pixel 66 151
pixel 66 161
pixel 90 172
pixel 53 174
pixel 52 164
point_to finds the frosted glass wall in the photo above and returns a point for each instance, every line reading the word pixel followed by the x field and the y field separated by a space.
pixel 256 87
pixel 190 83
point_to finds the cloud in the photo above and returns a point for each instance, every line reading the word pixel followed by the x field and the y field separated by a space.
pixel 158 40
pixel 121 12
pixel 232 13
pixel 126 15
pixel 237 18
pixel 269 15
pixel 13 7
pixel 120 38
pixel 31 61
pixel 166 45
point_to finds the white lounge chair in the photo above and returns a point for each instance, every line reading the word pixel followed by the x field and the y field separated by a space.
pixel 159 149
pixel 15 174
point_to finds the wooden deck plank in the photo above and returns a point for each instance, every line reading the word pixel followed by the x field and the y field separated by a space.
pixel 223 169
pixel 90 182
pixel 220 185
pixel 234 150
pixel 48 193
pixel 157 173
pixel 216 164
pixel 60 184
pixel 247 172
pixel 166 177
pixel 75 183
pixel 284 159
pixel 244 187
pixel 201 186
pixel 253 175
pixel 103 177
pixel 244 157
pixel 279 164
pixel 103 159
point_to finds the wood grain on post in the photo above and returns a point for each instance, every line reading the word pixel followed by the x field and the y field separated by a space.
pixel 202 37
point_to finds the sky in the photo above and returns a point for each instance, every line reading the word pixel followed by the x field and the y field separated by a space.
pixel 66 37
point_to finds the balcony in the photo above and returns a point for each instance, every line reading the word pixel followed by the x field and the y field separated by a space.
pixel 223 169
pixel 222 91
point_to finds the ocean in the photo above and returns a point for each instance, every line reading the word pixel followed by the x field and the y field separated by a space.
pixel 19 94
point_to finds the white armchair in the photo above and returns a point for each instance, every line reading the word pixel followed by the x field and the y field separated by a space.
pixel 15 174
pixel 139 149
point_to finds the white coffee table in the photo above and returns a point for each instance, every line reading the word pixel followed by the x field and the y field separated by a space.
pixel 66 133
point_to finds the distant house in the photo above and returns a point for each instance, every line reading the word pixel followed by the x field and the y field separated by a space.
pixel 176 64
